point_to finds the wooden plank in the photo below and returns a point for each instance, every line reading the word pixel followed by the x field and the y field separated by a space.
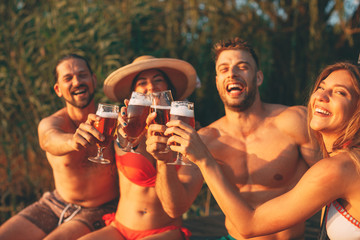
pixel 212 227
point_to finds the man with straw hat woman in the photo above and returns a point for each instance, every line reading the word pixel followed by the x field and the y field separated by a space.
pixel 140 214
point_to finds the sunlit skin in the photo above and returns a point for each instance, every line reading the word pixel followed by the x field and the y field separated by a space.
pixel 237 79
pixel 75 82
pixel 139 207
pixel 69 138
pixel 332 178
pixel 332 104
pixel 254 152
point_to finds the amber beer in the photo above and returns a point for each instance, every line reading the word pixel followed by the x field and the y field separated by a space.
pixel 107 126
pixel 162 114
pixel 137 112
pixel 184 111
pixel 186 119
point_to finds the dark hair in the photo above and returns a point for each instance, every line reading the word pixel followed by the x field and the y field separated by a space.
pixel 234 44
pixel 166 77
pixel 70 56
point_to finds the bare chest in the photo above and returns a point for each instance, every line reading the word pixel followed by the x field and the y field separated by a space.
pixel 259 162
pixel 77 163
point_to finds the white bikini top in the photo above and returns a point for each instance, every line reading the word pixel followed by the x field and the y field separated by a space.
pixel 340 225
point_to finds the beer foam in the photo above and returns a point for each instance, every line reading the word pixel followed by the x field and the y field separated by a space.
pixel 141 102
pixel 182 111
pixel 160 107
pixel 107 114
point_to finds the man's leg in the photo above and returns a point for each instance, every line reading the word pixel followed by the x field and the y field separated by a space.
pixel 19 228
pixel 69 230
pixel 108 233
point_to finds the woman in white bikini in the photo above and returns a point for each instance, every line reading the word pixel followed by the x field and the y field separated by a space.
pixel 334 121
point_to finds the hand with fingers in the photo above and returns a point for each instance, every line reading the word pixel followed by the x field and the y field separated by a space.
pixel 185 140
pixel 131 128
pixel 86 134
pixel 156 141
pixel 121 138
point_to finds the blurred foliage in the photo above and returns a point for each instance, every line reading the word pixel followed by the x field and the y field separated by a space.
pixel 294 39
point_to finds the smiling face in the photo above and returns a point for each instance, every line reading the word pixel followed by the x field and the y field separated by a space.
pixel 237 79
pixel 75 83
pixel 333 103
pixel 150 81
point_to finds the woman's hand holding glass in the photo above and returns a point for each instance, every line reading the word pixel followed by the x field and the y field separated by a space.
pixel 156 140
pixel 161 104
pixel 133 121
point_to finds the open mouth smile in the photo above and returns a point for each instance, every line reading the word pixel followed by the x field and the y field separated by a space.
pixel 79 91
pixel 235 87
pixel 322 111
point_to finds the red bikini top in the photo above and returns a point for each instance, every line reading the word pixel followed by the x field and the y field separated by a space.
pixel 137 169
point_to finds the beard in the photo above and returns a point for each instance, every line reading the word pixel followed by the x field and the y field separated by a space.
pixel 248 98
pixel 83 103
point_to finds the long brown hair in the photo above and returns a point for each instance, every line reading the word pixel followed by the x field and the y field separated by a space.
pixel 349 140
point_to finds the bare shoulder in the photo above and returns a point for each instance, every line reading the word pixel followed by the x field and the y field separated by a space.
pixel 282 112
pixel 210 132
pixel 58 120
pixel 290 119
pixel 335 172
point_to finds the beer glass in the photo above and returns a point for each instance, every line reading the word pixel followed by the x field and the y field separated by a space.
pixel 106 125
pixel 184 111
pixel 137 111
pixel 161 104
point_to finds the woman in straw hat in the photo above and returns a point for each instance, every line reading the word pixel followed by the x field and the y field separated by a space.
pixel 140 214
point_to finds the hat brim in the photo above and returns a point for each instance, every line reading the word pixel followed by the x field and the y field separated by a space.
pixel 181 74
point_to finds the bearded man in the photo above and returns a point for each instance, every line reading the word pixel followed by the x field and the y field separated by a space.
pixel 261 149
pixel 84 191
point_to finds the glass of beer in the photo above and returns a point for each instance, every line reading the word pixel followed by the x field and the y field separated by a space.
pixel 137 112
pixel 161 104
pixel 106 125
pixel 184 111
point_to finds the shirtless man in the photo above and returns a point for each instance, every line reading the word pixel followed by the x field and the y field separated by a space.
pixel 84 191
pixel 261 150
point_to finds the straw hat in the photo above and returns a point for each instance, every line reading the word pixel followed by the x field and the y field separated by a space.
pixel 181 74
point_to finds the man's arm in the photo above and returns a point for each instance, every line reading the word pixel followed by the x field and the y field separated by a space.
pixel 266 218
pixel 295 121
pixel 194 146
pixel 56 137
pixel 177 190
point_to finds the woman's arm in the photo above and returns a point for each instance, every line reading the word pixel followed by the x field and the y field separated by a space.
pixel 320 185
pixel 176 188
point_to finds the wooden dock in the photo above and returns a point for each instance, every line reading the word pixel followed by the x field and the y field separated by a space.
pixel 212 227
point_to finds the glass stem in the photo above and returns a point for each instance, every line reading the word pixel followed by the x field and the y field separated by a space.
pixel 100 152
pixel 179 157
pixel 129 147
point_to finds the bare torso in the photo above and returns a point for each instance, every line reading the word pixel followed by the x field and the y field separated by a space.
pixel 264 163
pixel 139 207
pixel 78 180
